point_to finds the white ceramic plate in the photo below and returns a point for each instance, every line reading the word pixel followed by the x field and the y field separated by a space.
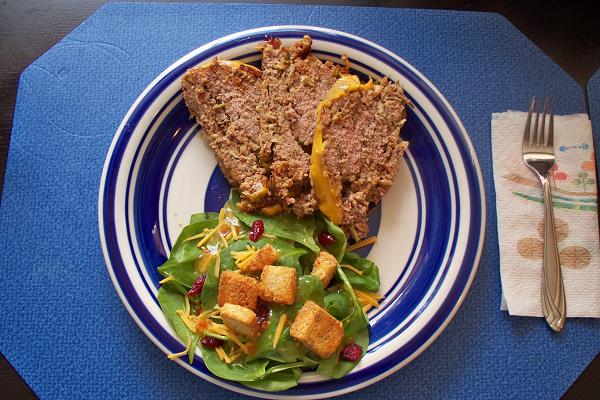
pixel 430 225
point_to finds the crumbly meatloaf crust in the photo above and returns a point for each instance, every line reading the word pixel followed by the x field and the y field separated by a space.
pixel 363 148
pixel 261 125
pixel 293 83
pixel 223 98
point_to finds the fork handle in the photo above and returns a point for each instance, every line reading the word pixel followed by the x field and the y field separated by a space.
pixel 553 291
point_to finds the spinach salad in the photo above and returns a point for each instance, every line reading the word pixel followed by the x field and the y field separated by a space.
pixel 264 338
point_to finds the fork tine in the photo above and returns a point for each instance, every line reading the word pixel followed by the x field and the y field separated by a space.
pixel 541 142
pixel 526 140
pixel 551 126
pixel 534 139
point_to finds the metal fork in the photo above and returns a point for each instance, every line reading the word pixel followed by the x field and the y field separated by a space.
pixel 538 155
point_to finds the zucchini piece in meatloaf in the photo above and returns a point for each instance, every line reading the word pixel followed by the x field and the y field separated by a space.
pixel 223 95
pixel 357 148
pixel 293 83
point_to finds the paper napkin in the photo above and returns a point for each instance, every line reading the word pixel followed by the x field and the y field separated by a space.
pixel 520 215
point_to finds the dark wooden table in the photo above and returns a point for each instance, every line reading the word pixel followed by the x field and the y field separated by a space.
pixel 569 33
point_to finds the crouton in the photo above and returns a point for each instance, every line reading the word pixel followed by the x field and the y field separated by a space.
pixel 235 288
pixel 266 255
pixel 324 267
pixel 317 330
pixel 241 319
pixel 278 284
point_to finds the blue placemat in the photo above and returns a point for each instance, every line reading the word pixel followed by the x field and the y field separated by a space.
pixel 63 326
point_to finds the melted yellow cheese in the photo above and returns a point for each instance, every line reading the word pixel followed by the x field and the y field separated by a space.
pixel 328 194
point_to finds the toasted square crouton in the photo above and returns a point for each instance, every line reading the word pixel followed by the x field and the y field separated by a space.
pixel 266 255
pixel 235 288
pixel 278 284
pixel 324 267
pixel 317 330
pixel 241 319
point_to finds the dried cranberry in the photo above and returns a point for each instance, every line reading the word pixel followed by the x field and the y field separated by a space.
pixel 197 286
pixel 211 342
pixel 326 239
pixel 256 230
pixel 273 41
pixel 262 313
pixel 352 352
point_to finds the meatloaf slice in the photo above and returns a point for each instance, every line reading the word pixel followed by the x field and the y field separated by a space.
pixel 223 95
pixel 293 83
pixel 362 148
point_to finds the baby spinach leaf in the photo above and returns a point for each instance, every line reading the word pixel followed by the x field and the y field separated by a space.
pixel 264 344
pixel 183 272
pixel 309 288
pixel 334 366
pixel 281 376
pixel 323 224
pixel 339 304
pixel 369 280
pixel 307 261
pixel 288 350
pixel 186 250
pixel 288 254
pixel 184 254
pixel 192 349
pixel 208 297
pixel 291 258
pixel 282 367
pixel 177 287
pixel 205 216
pixel 245 371
pixel 277 381
pixel 357 320
pixel 284 225
pixel 170 301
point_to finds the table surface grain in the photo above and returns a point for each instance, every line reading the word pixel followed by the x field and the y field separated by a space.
pixel 569 33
